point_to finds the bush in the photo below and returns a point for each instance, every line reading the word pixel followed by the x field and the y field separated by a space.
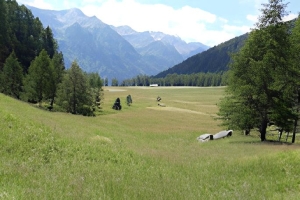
pixel 86 110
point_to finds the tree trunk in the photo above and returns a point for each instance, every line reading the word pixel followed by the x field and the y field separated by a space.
pixel 247 132
pixel 74 100
pixel 52 102
pixel 280 134
pixel 297 118
pixel 263 129
pixel 294 131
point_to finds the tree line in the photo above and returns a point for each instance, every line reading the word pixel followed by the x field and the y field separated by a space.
pixel 32 69
pixel 195 79
pixel 263 85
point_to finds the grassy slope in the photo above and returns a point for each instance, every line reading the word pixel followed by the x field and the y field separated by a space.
pixel 141 152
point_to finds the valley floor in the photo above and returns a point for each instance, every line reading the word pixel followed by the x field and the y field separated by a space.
pixel 143 151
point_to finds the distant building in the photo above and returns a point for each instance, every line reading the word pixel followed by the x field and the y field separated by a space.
pixel 153 85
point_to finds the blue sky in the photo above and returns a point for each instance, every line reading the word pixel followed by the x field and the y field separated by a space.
pixel 210 22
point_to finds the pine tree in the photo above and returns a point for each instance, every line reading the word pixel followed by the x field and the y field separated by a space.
pixel 295 57
pixel 58 67
pixel 49 44
pixel 38 83
pixel 260 86
pixel 3 33
pixel 12 76
pixel 74 94
pixel 95 85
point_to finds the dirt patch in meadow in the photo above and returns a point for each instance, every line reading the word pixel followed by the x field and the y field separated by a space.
pixel 101 138
pixel 116 90
pixel 173 109
pixel 187 102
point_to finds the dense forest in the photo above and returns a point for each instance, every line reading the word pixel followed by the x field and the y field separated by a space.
pixel 32 69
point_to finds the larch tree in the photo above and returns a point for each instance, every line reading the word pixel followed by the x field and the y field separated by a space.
pixel 4 38
pixel 12 76
pixel 49 43
pixel 39 81
pixel 114 82
pixel 58 68
pixel 74 95
pixel 95 85
pixel 260 87
pixel 295 57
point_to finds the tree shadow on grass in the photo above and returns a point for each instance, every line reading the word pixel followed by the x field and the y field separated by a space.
pixel 267 142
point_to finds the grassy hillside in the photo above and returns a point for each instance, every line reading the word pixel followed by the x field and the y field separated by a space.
pixel 141 152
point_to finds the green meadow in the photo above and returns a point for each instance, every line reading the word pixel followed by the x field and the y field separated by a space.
pixel 144 151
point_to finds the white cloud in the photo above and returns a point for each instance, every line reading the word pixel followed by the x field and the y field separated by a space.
pixel 191 24
pixel 223 20
pixel 234 29
pixel 252 18
pixel 90 1
pixel 188 23
pixel 36 3
pixel 258 6
pixel 290 17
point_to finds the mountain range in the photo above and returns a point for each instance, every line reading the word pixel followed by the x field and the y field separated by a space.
pixel 113 52
pixel 139 40
pixel 215 59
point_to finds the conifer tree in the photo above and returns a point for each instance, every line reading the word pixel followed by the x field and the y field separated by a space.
pixel 74 95
pixel 12 76
pixel 260 88
pixel 49 43
pixel 295 57
pixel 58 67
pixel 3 33
pixel 38 83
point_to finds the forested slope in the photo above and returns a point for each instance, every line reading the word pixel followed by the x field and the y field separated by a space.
pixel 215 59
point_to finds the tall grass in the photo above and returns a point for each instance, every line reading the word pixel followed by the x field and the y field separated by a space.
pixel 141 152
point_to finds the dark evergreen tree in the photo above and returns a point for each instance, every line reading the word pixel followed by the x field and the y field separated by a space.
pixel 129 100
pixel 39 82
pixel 295 57
pixel 12 76
pixel 4 39
pixel 58 68
pixel 106 82
pixel 74 95
pixel 94 80
pixel 95 85
pixel 260 87
pixel 114 82
pixel 49 44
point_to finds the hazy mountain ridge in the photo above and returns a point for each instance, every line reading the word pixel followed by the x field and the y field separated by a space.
pixel 160 54
pixel 97 47
pixel 215 59
pixel 142 39
pixel 93 44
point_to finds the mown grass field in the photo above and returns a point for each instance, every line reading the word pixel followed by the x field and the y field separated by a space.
pixel 141 152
